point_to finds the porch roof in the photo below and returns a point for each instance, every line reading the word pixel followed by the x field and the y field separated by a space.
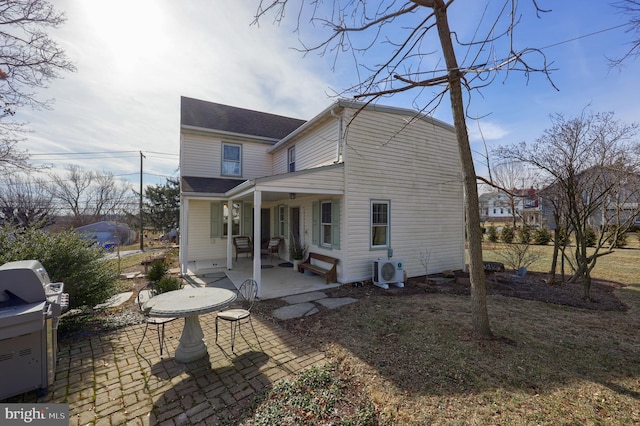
pixel 277 185
pixel 208 185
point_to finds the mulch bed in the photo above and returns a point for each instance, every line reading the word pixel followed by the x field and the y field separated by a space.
pixel 533 287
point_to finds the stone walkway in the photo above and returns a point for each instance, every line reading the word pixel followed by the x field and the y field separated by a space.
pixel 302 305
pixel 106 382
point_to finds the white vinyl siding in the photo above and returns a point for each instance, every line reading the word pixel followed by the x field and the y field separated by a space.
pixel 201 156
pixel 314 149
pixel 415 166
pixel 201 244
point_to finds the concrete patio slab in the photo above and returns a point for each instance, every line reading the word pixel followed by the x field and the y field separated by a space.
pixel 304 297
pixel 336 302
pixel 296 311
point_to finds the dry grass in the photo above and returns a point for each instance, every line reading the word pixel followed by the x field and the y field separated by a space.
pixel 551 365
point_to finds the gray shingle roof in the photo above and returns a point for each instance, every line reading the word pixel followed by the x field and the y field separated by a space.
pixel 209 185
pixel 210 115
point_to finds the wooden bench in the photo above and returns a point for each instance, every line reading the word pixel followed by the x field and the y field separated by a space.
pixel 330 275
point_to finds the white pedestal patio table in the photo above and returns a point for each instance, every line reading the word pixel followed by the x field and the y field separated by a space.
pixel 189 303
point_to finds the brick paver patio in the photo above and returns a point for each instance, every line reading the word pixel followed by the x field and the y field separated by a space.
pixel 106 382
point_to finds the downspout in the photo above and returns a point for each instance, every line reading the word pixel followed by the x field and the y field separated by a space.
pixel 339 143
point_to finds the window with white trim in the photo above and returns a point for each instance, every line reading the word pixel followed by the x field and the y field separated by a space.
pixel 325 223
pixel 281 220
pixel 291 159
pixel 235 219
pixel 231 160
pixel 380 224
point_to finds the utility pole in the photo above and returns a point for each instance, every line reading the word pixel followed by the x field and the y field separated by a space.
pixel 141 224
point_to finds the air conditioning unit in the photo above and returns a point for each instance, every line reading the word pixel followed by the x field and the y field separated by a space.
pixel 388 271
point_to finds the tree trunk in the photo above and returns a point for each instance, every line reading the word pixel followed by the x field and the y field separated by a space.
pixel 480 317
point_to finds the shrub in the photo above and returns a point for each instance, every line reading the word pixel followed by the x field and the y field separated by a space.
pixel 157 270
pixel 492 234
pixel 620 241
pixel 67 257
pixel 515 256
pixel 524 235
pixel 165 284
pixel 507 235
pixel 542 236
pixel 590 237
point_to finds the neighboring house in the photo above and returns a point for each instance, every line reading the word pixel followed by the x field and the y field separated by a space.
pixel 611 195
pixel 108 232
pixel 497 207
pixel 356 182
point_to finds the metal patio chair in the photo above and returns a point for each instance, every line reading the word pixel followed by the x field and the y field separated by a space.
pixel 159 323
pixel 246 296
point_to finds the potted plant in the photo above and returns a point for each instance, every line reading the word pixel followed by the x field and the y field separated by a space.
pixel 296 251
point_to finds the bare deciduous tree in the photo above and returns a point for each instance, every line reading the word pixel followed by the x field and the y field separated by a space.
pixel 412 31
pixel 87 195
pixel 24 203
pixel 593 168
pixel 29 59
pixel 631 9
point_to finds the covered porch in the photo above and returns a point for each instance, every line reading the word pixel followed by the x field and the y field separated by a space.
pixel 275 206
pixel 278 279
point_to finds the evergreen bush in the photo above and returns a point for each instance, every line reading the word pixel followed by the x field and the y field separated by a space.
pixel 492 234
pixel 524 235
pixel 542 236
pixel 507 235
pixel 68 257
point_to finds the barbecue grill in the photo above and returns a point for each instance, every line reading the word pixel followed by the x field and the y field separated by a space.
pixel 30 307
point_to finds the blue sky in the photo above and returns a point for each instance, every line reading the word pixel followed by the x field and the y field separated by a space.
pixel 136 58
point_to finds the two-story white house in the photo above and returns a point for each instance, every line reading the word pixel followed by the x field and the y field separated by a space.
pixel 357 182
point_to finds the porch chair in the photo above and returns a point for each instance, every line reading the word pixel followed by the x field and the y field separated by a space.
pixel 273 246
pixel 159 323
pixel 246 295
pixel 242 245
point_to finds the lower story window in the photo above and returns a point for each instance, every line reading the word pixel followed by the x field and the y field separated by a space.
pixel 379 224
pixel 325 223
pixel 235 219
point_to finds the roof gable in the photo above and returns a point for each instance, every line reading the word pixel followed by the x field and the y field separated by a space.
pixel 210 115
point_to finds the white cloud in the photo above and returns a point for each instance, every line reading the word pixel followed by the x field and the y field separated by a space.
pixel 480 130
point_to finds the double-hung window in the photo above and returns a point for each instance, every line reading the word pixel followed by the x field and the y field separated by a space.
pixel 379 224
pixel 235 219
pixel 231 160
pixel 325 223
pixel 291 159
pixel 282 220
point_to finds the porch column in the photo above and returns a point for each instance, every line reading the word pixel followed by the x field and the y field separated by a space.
pixel 229 233
pixel 184 236
pixel 257 206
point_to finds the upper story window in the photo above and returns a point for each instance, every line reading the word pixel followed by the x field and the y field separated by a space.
pixel 291 159
pixel 231 159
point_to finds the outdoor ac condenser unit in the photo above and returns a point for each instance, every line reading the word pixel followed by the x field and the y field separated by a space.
pixel 388 271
